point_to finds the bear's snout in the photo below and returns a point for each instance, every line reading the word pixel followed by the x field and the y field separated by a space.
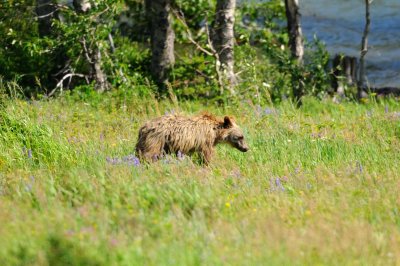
pixel 241 146
pixel 244 148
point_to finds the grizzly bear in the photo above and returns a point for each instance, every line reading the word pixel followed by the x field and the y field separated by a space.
pixel 174 134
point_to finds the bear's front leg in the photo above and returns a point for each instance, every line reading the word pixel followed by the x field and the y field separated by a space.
pixel 206 155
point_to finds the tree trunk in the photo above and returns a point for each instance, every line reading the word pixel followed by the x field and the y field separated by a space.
pixel 46 11
pixel 294 29
pixel 162 39
pixel 100 78
pixel 344 73
pixel 224 39
pixel 93 54
pixel 296 46
pixel 364 50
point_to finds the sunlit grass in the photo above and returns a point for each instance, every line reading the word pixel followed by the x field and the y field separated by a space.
pixel 319 186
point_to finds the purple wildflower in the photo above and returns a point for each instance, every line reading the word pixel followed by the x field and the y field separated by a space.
pixel 69 232
pixel 236 173
pixel 170 112
pixel 29 185
pixel 74 140
pixel 258 110
pixel 136 161
pixel 180 155
pixel 296 170
pixel 128 160
pixel 278 184
pixel 113 242
pixel 268 111
pixel 271 184
pixel 386 109
pixel 113 161
pixel 29 153
pixel 359 166
pixel 261 111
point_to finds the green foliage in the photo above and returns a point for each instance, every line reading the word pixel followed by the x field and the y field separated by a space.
pixel 23 56
pixel 90 32
pixel 263 27
pixel 194 78
pixel 262 58
pixel 32 60
pixel 257 15
pixel 132 22
pixel 196 13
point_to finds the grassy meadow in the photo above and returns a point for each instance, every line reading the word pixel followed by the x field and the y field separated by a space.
pixel 320 186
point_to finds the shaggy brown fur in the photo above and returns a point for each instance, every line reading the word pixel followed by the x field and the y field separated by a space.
pixel 176 133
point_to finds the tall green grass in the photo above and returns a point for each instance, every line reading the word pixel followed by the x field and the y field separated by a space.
pixel 319 186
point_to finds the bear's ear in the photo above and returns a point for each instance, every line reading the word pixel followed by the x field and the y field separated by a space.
pixel 227 122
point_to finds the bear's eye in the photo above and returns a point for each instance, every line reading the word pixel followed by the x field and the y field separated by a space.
pixel 236 138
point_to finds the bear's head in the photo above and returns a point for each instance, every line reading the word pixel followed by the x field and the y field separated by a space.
pixel 232 134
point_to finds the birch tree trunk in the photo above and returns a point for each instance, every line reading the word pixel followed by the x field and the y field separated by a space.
pixel 364 50
pixel 224 39
pixel 296 46
pixel 162 38
pixel 93 54
pixel 294 29
pixel 97 73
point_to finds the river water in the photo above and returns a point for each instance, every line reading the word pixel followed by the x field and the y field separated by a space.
pixel 340 25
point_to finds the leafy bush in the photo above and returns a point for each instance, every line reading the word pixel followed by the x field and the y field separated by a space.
pixel 23 141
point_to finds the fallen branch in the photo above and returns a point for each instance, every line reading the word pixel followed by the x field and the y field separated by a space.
pixel 60 83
